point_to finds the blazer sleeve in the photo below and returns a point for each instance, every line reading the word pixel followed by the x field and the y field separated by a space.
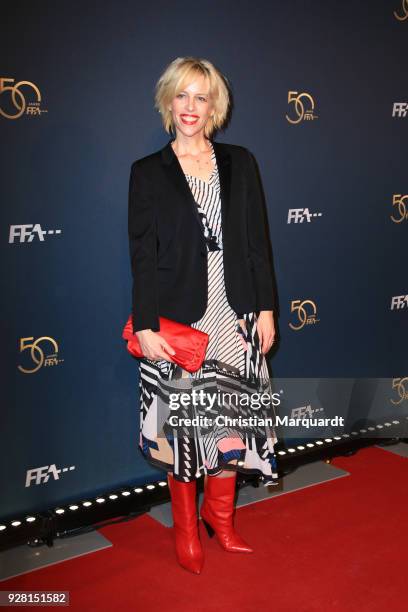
pixel 258 243
pixel 143 251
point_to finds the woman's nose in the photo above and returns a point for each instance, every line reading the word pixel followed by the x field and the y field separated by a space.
pixel 190 104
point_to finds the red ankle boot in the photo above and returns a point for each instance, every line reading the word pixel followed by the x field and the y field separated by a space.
pixel 183 505
pixel 217 511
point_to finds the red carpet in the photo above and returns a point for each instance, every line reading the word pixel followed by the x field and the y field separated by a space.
pixel 341 545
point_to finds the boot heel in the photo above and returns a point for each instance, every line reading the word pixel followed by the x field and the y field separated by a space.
pixel 208 527
pixel 219 507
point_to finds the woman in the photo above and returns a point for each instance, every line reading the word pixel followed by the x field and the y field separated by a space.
pixel 200 256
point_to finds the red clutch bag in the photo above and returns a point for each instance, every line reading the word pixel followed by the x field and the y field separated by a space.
pixel 189 343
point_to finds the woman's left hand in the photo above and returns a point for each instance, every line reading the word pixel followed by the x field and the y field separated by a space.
pixel 266 330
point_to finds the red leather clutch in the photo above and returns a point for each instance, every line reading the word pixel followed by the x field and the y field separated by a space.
pixel 189 343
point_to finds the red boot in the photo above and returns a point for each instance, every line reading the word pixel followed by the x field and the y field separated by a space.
pixel 183 505
pixel 217 510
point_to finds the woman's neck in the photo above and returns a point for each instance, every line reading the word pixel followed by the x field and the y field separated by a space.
pixel 190 145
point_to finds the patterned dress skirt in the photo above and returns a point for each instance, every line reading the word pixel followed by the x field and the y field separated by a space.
pixel 220 417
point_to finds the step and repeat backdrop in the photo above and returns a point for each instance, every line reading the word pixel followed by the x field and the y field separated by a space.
pixel 320 97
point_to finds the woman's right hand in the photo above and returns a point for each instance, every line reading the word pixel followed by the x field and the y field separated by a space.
pixel 153 345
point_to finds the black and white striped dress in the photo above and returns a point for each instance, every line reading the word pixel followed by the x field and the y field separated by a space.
pixel 234 367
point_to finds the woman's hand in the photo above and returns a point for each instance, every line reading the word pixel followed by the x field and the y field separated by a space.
pixel 153 345
pixel 266 330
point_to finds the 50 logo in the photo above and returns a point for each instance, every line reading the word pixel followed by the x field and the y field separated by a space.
pixel 37 355
pixel 18 101
pixel 404 8
pixel 303 105
pixel 399 201
pixel 306 312
pixel 399 385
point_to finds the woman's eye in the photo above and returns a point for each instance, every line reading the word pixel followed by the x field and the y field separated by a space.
pixel 201 98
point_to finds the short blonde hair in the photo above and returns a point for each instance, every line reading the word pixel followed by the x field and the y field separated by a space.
pixel 181 71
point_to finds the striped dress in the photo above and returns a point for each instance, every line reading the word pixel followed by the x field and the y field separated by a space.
pixel 233 429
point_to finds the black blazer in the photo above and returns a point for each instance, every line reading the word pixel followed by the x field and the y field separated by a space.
pixel 167 246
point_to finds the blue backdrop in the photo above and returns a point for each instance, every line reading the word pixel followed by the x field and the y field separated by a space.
pixel 320 98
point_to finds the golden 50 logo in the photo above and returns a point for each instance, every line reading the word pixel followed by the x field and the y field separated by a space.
pixel 12 99
pixel 40 357
pixel 399 385
pixel 400 203
pixel 303 107
pixel 306 312
pixel 404 9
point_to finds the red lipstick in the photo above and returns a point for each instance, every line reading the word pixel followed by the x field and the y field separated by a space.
pixel 189 119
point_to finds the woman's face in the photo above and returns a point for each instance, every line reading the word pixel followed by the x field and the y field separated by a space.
pixel 192 107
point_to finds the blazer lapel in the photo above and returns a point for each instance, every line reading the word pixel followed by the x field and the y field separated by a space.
pixel 176 175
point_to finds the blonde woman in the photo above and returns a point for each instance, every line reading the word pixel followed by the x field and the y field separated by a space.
pixel 199 255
